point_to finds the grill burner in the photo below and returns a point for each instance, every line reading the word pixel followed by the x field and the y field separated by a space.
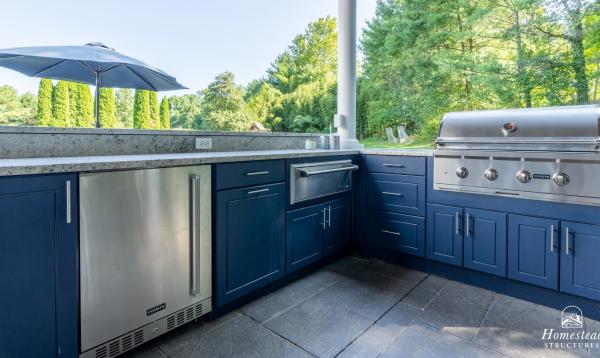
pixel 548 154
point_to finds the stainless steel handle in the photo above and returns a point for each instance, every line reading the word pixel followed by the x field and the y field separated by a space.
pixel 457 223
pixel 68 198
pixel 258 191
pixel 307 173
pixel 390 232
pixel 394 165
pixel 257 173
pixel 324 223
pixel 567 240
pixel 195 237
pixel 467 218
pixel 389 193
pixel 443 141
pixel 552 238
pixel 329 217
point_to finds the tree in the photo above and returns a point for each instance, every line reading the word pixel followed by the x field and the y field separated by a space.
pixel 141 110
pixel 84 107
pixel 106 113
pixel 154 110
pixel 60 101
pixel 15 109
pixel 185 111
pixel 165 115
pixel 44 106
pixel 223 106
pixel 73 103
pixel 124 107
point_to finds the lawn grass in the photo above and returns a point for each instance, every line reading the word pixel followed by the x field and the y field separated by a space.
pixel 414 143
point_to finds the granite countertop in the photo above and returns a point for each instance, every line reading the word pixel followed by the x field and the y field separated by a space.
pixel 408 152
pixel 117 162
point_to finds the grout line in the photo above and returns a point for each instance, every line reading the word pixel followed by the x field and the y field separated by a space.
pixel 487 311
pixel 382 315
pixel 277 334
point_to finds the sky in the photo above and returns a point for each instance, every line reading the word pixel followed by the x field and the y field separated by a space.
pixel 192 40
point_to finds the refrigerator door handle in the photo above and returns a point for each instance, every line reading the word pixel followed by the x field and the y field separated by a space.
pixel 195 234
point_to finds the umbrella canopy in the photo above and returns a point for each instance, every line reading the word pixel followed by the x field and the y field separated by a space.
pixel 93 63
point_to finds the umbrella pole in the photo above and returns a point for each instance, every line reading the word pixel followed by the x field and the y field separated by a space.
pixel 97 99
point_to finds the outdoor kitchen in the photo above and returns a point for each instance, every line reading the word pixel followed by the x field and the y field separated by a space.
pixel 246 221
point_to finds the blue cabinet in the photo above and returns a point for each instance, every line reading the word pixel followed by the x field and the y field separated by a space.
pixel 485 241
pixel 403 194
pixel 533 250
pixel 38 266
pixel 315 231
pixel 305 229
pixel 580 250
pixel 444 234
pixel 396 232
pixel 250 240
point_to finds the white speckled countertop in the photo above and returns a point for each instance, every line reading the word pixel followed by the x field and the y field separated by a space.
pixel 119 162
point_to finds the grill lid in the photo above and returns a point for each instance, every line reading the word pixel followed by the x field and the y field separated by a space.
pixel 573 128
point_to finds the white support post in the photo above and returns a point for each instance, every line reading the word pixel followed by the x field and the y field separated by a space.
pixel 346 91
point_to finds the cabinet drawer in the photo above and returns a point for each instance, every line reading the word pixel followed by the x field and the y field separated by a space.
pixel 237 175
pixel 401 233
pixel 396 164
pixel 404 194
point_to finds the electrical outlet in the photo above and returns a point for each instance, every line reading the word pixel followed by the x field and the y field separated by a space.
pixel 203 143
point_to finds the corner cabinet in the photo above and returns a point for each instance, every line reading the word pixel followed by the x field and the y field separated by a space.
pixel 38 266
pixel 580 249
pixel 250 240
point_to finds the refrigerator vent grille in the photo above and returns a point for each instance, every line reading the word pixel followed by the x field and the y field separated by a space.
pixel 129 341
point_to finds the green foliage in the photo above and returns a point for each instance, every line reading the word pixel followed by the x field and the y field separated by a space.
pixel 165 115
pixel 223 106
pixel 141 110
pixel 154 110
pixel 44 107
pixel 15 109
pixel 60 105
pixel 84 107
pixel 124 107
pixel 185 111
pixel 106 113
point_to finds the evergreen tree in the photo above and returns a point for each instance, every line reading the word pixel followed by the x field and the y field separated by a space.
pixel 165 115
pixel 124 107
pixel 60 108
pixel 85 116
pixel 44 105
pixel 106 113
pixel 154 110
pixel 73 103
pixel 141 110
pixel 223 106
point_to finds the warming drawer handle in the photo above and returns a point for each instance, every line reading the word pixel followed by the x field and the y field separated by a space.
pixel 195 237
pixel 307 173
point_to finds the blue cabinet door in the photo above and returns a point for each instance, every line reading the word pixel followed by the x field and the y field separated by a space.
pixel 533 250
pixel 580 250
pixel 305 229
pixel 250 240
pixel 444 234
pixel 339 221
pixel 485 241
pixel 38 266
pixel 396 232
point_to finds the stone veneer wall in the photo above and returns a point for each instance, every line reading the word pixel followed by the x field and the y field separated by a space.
pixel 38 142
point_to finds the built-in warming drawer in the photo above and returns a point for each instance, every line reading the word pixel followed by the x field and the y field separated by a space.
pixel 404 194
pixel 395 164
pixel 320 179
pixel 238 175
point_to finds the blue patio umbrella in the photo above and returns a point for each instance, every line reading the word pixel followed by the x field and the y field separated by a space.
pixel 93 63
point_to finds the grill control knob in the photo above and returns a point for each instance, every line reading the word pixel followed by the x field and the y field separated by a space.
pixel 491 174
pixel 462 172
pixel 524 176
pixel 561 179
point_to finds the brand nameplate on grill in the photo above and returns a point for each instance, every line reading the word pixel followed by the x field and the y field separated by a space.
pixel 153 310
pixel 542 176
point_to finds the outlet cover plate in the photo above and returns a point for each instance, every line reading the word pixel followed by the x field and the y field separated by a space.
pixel 203 143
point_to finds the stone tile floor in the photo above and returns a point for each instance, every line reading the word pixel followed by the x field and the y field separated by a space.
pixel 361 308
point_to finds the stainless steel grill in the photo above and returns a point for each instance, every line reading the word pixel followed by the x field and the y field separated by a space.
pixel 545 154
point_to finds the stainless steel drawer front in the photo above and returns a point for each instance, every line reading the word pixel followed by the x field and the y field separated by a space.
pixel 314 180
